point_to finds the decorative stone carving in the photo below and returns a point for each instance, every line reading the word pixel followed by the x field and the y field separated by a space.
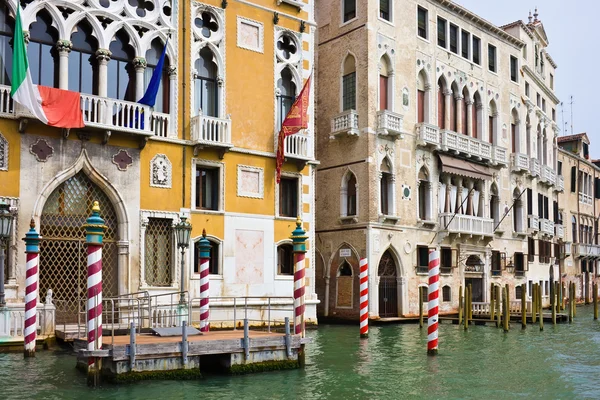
pixel 41 150
pixel 3 153
pixel 122 160
pixel 161 172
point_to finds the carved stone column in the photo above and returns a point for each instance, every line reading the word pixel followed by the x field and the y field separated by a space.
pixel 447 104
pixel 470 186
pixel 173 101
pixel 103 56
pixel 64 48
pixel 139 64
pixel 447 202
pixel 459 196
pixel 469 130
pixel 458 112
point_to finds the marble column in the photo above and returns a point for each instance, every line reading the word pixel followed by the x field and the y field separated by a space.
pixel 447 104
pixel 458 100
pixel 139 64
pixel 469 130
pixel 172 131
pixel 459 196
pixel 470 186
pixel 64 48
pixel 447 203
pixel 103 57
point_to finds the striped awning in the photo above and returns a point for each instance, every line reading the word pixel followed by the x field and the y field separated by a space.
pixel 456 166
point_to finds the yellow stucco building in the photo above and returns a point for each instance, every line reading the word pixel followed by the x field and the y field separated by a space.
pixel 205 151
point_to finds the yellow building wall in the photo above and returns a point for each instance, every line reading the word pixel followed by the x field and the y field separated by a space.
pixel 9 180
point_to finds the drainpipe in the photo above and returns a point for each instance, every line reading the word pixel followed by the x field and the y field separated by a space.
pixel 184 102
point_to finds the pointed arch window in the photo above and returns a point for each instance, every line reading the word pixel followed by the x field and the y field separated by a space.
pixel 152 57
pixel 206 97
pixel 41 51
pixel 349 84
pixel 422 98
pixel 349 197
pixel 386 188
pixel 287 95
pixel 514 132
pixel 285 259
pixel 441 104
pixel 215 257
pixel 494 204
pixel 83 64
pixel 424 191
pixel 121 75
pixel 517 212
pixel 493 124
pixel 477 115
pixel 574 225
pixel 385 85
pixel 7 25
pixel 464 112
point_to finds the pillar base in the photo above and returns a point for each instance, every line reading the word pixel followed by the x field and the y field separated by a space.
pixel 432 352
pixel 364 335
pixel 29 353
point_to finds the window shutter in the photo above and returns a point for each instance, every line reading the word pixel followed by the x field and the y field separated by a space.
pixel 454 258
pixel 573 179
pixel 597 187
pixel 503 261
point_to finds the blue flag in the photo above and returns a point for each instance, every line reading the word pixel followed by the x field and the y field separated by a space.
pixel 149 98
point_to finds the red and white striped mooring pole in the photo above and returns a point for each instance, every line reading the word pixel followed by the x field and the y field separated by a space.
pixel 204 248
pixel 299 239
pixel 32 249
pixel 433 294
pixel 94 230
pixel 364 298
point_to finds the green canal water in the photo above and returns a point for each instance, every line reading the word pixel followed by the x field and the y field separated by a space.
pixel 484 362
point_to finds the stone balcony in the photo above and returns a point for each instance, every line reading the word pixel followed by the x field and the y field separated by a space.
pixel 344 124
pixel 472 148
pixel 585 199
pixel 519 162
pixel 534 167
pixel 547 175
pixel 467 225
pixel 299 147
pixel 101 113
pixel 389 123
pixel 546 227
pixel 211 132
pixel 584 250
pixel 533 223
pixel 560 183
pixel 428 135
pixel 559 231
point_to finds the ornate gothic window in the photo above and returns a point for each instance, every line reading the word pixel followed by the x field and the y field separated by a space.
pixel 206 94
pixel 6 35
pixel 158 252
pixel 41 51
pixel 287 95
pixel 349 84
pixel 83 64
pixel 152 56
pixel 121 76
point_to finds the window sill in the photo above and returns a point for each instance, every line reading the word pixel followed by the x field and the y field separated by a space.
pixel 385 21
pixel 424 39
pixel 211 277
pixel 428 223
pixel 348 22
pixel 352 219
pixel 519 234
pixel 296 3
pixel 279 277
pixel 284 218
pixel 157 288
pixel 201 211
pixel 492 72
pixel 388 218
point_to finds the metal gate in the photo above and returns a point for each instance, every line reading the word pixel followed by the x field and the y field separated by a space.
pixel 388 286
pixel 62 248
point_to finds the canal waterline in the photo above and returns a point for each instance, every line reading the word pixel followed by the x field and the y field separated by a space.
pixel 560 362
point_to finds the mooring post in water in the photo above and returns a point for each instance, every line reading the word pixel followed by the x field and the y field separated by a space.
pixel 470 303
pixel 492 304
pixel 184 344
pixel 570 302
pixel 466 308
pixel 574 300
pixel 498 307
pixel 364 298
pixel 533 303
pixel 433 305
pixel 246 339
pixel 132 348
pixel 32 249
pixel 505 304
pixel 541 308
pixel 204 261
pixel 299 240
pixel 288 339
pixel 523 306
pixel 460 305
pixel 420 306
pixel 554 303
pixel 94 230
pixel 595 298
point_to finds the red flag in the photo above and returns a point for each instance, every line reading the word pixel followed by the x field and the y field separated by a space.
pixel 296 120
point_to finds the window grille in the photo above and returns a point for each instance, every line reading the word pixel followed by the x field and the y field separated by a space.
pixel 159 252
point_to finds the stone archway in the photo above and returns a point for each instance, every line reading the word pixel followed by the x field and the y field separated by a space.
pixel 62 248
pixel 387 272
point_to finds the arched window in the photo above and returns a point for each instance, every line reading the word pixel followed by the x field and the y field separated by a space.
pixel 494 204
pixel 539 142
pixel 528 135
pixel 574 224
pixel 517 212
pixel 215 257
pixel 441 104
pixel 423 91
pixel 349 84
pixel 446 294
pixel 385 187
pixel 518 292
pixel 285 259
pixel 493 124
pixel 287 95
pixel 41 51
pixel 206 97
pixel 477 115
pixel 349 198
pixel 7 25
pixel 463 111
pixel 83 65
pixel 345 269
pixel 386 90
pixel 454 105
pixel 344 285
pixel 152 57
pixel 515 136
pixel 121 76
pixel 544 159
pixel 424 195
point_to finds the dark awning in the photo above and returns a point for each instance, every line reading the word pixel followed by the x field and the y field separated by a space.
pixel 468 169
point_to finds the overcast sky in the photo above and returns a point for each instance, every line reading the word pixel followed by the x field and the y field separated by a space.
pixel 570 26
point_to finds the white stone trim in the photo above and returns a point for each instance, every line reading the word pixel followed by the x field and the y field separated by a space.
pixel 300 203
pixel 144 216
pixel 213 239
pixel 212 164
pixel 276 274
pixel 3 153
pixel 155 167
pixel 261 181
pixel 261 34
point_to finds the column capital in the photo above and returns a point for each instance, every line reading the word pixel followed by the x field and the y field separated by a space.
pixel 469 102
pixel 140 63
pixel 458 97
pixel 447 92
pixel 172 71
pixel 103 55
pixel 427 87
pixel 64 46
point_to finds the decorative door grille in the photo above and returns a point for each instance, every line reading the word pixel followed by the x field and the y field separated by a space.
pixel 63 259
pixel 159 252
pixel 388 286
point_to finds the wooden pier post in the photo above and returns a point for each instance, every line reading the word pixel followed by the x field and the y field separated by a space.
pixel 498 307
pixel 574 300
pixel 563 295
pixel 32 249
pixel 533 303
pixel 595 297
pixel 492 304
pixel 420 306
pixel 506 310
pixel 299 240
pixel 466 308
pixel 460 305
pixel 554 303
pixel 570 302
pixel 523 306
pixel 541 308
pixel 470 303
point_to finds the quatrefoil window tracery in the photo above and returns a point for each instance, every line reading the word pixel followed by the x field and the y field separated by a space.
pixel 287 46
pixel 142 6
pixel 207 24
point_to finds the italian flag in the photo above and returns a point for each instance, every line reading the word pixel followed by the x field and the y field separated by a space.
pixel 54 107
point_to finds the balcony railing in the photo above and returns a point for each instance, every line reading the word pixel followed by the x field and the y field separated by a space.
pixel 585 250
pixel 500 155
pixel 533 223
pixel 519 162
pixel 6 102
pixel 160 124
pixel 473 148
pixel 389 123
pixel 211 131
pixel 585 199
pixel 467 224
pixel 534 167
pixel 298 146
pixel 560 183
pixel 547 226
pixel 559 231
pixel 345 123
pixel 547 175
pixel 429 135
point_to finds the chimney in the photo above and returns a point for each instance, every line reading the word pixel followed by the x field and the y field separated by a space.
pixel 535 16
pixel 530 18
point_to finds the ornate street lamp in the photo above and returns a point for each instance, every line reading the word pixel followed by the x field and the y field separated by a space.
pixel 183 231
pixel 6 220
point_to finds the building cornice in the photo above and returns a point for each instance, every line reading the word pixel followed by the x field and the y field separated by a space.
pixel 541 84
pixel 578 158
pixel 549 58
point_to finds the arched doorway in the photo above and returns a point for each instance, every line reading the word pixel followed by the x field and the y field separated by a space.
pixel 62 249
pixel 388 286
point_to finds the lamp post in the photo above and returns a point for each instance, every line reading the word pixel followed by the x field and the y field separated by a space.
pixel 183 231
pixel 6 220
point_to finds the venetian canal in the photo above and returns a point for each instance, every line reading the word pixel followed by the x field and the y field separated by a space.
pixel 560 362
